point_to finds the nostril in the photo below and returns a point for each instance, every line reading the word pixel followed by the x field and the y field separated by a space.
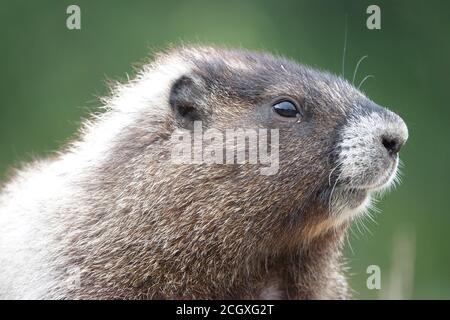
pixel 391 144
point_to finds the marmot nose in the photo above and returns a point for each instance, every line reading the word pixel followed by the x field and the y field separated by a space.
pixel 394 132
pixel 392 144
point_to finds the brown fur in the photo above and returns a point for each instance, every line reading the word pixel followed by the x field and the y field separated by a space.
pixel 138 227
pixel 212 231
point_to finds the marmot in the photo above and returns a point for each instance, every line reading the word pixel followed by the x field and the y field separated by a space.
pixel 112 217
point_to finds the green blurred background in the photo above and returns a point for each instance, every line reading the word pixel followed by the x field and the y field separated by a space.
pixel 50 78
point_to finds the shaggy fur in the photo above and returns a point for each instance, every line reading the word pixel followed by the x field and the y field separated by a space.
pixel 113 217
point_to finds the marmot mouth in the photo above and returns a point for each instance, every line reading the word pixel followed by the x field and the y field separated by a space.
pixel 353 195
pixel 383 181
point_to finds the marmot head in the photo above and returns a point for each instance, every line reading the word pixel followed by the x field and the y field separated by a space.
pixel 336 147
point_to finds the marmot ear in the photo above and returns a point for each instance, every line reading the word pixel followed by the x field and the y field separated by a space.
pixel 185 98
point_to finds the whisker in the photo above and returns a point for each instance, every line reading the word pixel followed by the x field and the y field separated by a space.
pixel 357 66
pixel 332 190
pixel 357 220
pixel 365 227
pixel 329 176
pixel 353 232
pixel 370 217
pixel 345 46
pixel 347 238
pixel 364 80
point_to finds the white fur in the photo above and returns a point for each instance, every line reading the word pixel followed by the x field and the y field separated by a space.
pixel 31 203
pixel 364 163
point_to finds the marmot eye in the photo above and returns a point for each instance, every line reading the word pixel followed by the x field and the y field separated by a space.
pixel 286 109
